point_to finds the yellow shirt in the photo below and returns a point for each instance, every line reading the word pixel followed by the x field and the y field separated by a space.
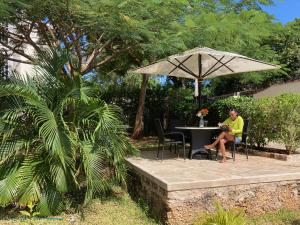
pixel 236 125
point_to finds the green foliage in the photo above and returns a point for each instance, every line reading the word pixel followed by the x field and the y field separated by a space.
pixel 276 118
pixel 223 217
pixel 161 102
pixel 262 129
pixel 244 105
pixel 248 108
pixel 180 104
pixel 57 139
pixel 286 119
pixel 30 213
pixel 282 217
pixel 286 42
pixel 106 35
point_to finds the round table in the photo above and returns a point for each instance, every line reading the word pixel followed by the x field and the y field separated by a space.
pixel 200 136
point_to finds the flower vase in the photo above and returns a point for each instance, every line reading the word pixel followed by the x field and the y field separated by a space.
pixel 201 122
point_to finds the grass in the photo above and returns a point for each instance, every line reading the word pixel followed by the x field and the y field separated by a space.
pixel 118 210
pixel 282 217
pixel 122 210
pixel 146 143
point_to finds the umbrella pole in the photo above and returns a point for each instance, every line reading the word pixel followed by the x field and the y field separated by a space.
pixel 199 93
pixel 199 79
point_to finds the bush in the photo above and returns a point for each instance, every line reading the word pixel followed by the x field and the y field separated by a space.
pixel 271 119
pixel 286 119
pixel 223 217
pixel 261 129
pixel 248 108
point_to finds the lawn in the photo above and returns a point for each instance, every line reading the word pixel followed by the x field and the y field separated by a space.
pixel 117 210
pixel 122 210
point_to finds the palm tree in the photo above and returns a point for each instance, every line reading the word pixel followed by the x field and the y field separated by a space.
pixel 57 138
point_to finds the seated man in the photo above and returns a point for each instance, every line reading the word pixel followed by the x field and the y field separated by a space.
pixel 234 132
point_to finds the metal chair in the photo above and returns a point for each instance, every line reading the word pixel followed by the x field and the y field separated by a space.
pixel 243 142
pixel 170 138
pixel 179 123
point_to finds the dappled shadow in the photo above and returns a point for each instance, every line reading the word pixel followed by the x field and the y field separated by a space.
pixel 170 155
pixel 296 222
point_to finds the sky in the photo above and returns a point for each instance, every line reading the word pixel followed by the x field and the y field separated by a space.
pixel 284 10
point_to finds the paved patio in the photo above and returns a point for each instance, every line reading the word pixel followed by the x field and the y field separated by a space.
pixel 177 190
pixel 179 174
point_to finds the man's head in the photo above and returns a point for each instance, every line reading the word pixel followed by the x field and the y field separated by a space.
pixel 233 114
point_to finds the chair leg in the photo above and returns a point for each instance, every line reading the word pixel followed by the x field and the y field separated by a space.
pixel 170 147
pixel 234 148
pixel 184 151
pixel 158 148
pixel 246 148
pixel 162 152
pixel 217 153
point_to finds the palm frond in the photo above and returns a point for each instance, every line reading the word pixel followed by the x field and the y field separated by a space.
pixel 94 169
pixel 9 185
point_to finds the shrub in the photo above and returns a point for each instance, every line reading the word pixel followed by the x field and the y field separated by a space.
pixel 223 217
pixel 248 108
pixel 261 128
pixel 286 119
pixel 271 119
pixel 244 105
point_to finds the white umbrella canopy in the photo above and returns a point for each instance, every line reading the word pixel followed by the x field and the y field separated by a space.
pixel 204 63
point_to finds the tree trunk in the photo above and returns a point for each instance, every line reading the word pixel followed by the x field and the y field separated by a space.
pixel 138 126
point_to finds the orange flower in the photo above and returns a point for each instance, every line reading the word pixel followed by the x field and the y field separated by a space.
pixel 202 112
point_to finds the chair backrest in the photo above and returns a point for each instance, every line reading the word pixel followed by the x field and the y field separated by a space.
pixel 245 130
pixel 159 130
pixel 176 123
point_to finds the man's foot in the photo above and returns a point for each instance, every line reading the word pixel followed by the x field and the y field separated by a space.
pixel 222 160
pixel 209 147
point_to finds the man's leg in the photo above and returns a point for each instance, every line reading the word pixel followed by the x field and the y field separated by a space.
pixel 228 137
pixel 223 149
pixel 221 136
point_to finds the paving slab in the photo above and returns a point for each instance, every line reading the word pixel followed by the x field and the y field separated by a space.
pixel 174 174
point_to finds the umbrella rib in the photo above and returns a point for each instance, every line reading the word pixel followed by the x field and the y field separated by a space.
pixel 213 66
pixel 221 62
pixel 180 63
pixel 178 66
pixel 184 66
pixel 207 74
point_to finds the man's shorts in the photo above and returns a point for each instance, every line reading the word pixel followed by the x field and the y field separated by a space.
pixel 238 140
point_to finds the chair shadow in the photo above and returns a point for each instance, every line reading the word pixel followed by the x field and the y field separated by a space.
pixel 296 222
pixel 170 155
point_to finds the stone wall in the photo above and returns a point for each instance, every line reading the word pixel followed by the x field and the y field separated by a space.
pixel 183 206
pixel 254 199
pixel 142 188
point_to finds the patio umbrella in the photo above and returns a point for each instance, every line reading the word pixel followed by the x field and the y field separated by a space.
pixel 204 63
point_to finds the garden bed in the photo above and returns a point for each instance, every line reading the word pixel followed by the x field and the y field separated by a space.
pixel 275 155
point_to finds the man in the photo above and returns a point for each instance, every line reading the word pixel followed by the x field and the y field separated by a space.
pixel 235 124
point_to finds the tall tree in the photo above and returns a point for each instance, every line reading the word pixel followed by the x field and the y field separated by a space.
pixel 286 43
pixel 95 32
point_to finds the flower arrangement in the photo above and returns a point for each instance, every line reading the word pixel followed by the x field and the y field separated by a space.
pixel 202 112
